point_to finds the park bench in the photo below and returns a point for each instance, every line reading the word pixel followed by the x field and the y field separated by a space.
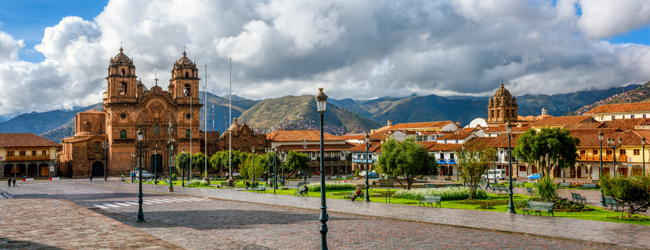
pixel 351 195
pixel 432 200
pixel 530 191
pixel 385 185
pixel 539 207
pixel 588 186
pixel 579 198
pixel 434 178
pixel 301 184
pixel 501 189
pixel 260 188
pixel 564 185
pixel 612 203
pixel 595 181
pixel 450 186
pixel 518 183
pixel 448 179
pixel 430 186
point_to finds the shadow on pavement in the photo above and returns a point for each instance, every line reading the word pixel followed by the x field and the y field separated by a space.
pixel 17 244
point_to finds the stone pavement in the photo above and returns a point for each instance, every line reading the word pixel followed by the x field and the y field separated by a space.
pixel 61 224
pixel 620 234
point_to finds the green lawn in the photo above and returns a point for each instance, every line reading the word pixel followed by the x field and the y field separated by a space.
pixel 598 214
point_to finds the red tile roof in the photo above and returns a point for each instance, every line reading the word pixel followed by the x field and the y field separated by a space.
pixel 624 124
pixel 620 108
pixel 564 120
pixel 445 147
pixel 24 140
pixel 478 143
pixel 417 125
pixel 502 129
pixel 299 135
pixel 312 147
pixel 589 138
pixel 353 136
pixel 458 136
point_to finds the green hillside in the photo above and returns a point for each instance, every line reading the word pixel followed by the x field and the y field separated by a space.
pixel 634 94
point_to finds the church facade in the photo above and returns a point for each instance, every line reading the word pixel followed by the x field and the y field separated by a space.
pixel 167 118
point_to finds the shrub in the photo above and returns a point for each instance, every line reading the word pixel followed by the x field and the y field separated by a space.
pixel 631 192
pixel 446 193
pixel 561 204
pixel 197 183
pixel 546 188
pixel 173 176
pixel 315 187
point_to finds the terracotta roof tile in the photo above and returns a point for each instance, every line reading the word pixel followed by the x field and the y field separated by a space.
pixel 624 124
pixel 445 147
pixel 299 135
pixel 589 138
pixel 312 147
pixel 417 125
pixel 620 108
pixel 563 120
pixel 502 129
pixel 24 140
pixel 478 143
pixel 353 136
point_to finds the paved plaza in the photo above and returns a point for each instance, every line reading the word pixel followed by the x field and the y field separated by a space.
pixel 194 218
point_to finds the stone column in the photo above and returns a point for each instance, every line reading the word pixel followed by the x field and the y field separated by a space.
pixel 2 169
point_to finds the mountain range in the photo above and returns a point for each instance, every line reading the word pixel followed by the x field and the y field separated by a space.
pixel 343 115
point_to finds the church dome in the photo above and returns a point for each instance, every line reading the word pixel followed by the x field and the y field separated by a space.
pixel 184 62
pixel 121 59
pixel 502 92
pixel 235 125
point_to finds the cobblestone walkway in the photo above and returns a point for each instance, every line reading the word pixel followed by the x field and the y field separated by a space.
pixel 626 235
pixel 61 224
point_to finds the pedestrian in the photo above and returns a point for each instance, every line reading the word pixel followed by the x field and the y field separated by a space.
pixel 488 184
pixel 91 177
pixel 304 190
pixel 358 193
pixel 247 185
pixel 14 182
pixel 9 181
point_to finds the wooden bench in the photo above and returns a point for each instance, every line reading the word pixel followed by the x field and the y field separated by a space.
pixel 579 198
pixel 501 189
pixel 530 191
pixel 432 200
pixel 539 207
pixel 430 186
pixel 448 179
pixel 612 203
pixel 564 185
pixel 384 185
pixel 260 189
pixel 518 183
pixel 588 186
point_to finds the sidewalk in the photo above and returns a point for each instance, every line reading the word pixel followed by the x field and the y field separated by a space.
pixel 61 224
pixel 621 234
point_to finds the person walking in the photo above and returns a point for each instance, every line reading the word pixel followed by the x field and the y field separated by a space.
pixel 14 182
pixel 91 177
pixel 488 184
pixel 9 181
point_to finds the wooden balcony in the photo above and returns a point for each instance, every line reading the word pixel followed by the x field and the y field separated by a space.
pixel 28 158
pixel 620 158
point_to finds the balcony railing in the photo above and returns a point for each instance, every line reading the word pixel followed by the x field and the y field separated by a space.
pixel 622 158
pixel 597 158
pixel 27 157
pixel 451 161
pixel 442 161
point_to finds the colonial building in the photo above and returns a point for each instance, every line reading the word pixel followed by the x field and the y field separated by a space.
pixel 27 154
pixel 128 107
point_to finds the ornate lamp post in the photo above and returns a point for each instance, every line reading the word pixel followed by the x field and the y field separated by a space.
pixel 140 213
pixel 155 174
pixel 612 144
pixel 253 150
pixel 275 169
pixel 132 167
pixel 511 206
pixel 282 166
pixel 321 102
pixel 183 167
pixel 304 147
pixel 602 196
pixel 643 153
pixel 367 141
pixel 170 129
pixel 105 147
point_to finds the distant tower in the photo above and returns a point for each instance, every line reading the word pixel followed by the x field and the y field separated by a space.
pixel 544 111
pixel 502 107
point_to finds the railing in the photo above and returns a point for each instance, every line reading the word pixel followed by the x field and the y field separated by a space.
pixel 451 161
pixel 622 158
pixel 596 158
pixel 27 157
pixel 442 161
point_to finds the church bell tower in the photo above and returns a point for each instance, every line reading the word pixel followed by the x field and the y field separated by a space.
pixel 502 107
pixel 121 80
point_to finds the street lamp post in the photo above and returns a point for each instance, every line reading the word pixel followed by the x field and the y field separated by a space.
pixel 304 147
pixel 602 196
pixel 643 154
pixel 253 150
pixel 183 167
pixel 105 146
pixel 282 166
pixel 367 140
pixel 155 174
pixel 321 102
pixel 170 129
pixel 140 213
pixel 132 167
pixel 612 143
pixel 511 206
pixel 275 169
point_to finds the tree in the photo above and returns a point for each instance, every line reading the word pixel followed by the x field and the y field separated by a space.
pixel 533 147
pixel 475 161
pixel 296 162
pixel 182 160
pixel 631 192
pixel 216 160
pixel 406 161
pixel 198 161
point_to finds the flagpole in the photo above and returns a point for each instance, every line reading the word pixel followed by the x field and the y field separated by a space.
pixel 230 127
pixel 205 120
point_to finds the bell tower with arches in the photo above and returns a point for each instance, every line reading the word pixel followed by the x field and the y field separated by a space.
pixel 502 107
pixel 121 80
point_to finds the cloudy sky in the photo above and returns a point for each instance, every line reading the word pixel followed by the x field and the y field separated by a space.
pixel 54 54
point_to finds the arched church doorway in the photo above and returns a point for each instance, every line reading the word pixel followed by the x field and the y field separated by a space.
pixel 156 164
pixel 98 168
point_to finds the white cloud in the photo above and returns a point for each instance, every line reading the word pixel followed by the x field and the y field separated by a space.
pixel 355 49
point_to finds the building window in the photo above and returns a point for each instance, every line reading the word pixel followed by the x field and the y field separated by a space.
pixel 613 117
pixel 637 152
pixel 187 90
pixel 123 134
pixel 10 153
pixel 188 116
pixel 595 152
pixel 187 74
pixel 122 88
pixel 451 156
pixel 123 72
pixel 46 152
pixel 123 115
pixel 522 168
pixel 632 116
pixel 582 151
pixel 98 147
pixel 643 115
pixel 623 116
pixel 456 141
pixel 622 152
pixel 609 152
pixel 188 133
pixel 445 141
pixel 33 152
pixel 156 129
pixel 23 153
pixel 442 156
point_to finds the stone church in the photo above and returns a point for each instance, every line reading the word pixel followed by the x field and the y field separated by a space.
pixel 109 136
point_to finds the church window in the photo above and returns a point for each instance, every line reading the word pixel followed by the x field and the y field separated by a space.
pixel 122 71
pixel 513 113
pixel 123 115
pixel 132 72
pixel 86 126
pixel 156 129
pixel 187 74
pixel 188 133
pixel 122 88
pixel 499 113
pixel 507 113
pixel 123 134
pixel 98 147
pixel 188 116
pixel 187 90
pixel 492 116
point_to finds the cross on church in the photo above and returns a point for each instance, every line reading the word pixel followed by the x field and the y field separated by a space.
pixel 155 78
pixel 120 43
pixel 184 48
